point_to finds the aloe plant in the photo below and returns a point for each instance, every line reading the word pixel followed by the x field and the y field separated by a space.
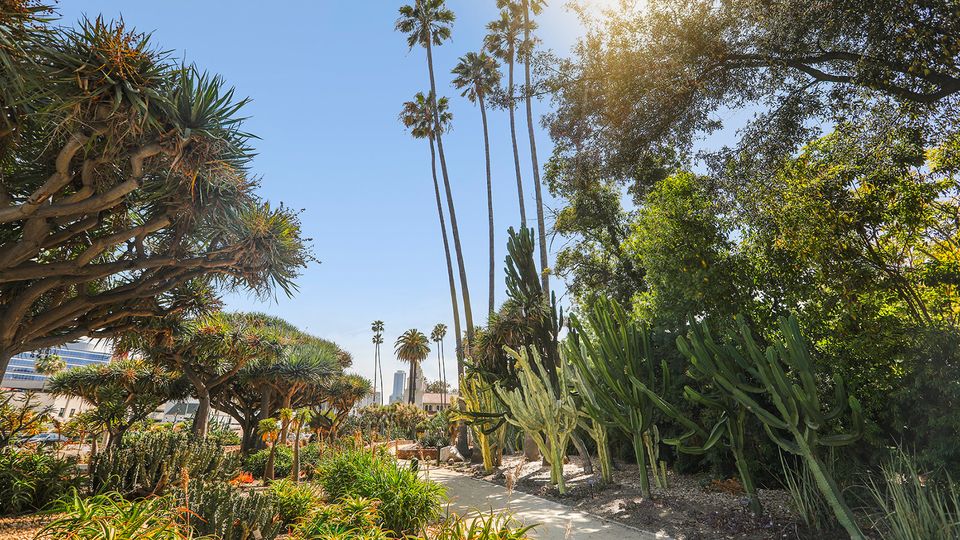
pixel 783 375
pixel 542 408
pixel 614 372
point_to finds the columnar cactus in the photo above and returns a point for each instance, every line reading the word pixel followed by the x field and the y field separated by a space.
pixel 782 374
pixel 484 413
pixel 542 408
pixel 614 371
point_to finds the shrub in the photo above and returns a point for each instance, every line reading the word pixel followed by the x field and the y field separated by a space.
pixel 109 515
pixel 352 517
pixel 293 501
pixel 146 463
pixel 434 431
pixel 31 480
pixel 218 509
pixel 282 462
pixel 407 502
pixel 483 526
pixel 915 506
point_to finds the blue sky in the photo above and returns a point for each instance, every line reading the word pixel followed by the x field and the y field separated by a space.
pixel 327 79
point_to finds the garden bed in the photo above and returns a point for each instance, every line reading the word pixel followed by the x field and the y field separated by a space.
pixel 687 510
pixel 22 527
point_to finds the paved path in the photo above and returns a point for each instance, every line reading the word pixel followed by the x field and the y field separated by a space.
pixel 556 522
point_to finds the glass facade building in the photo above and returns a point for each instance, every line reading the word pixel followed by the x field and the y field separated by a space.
pixel 22 372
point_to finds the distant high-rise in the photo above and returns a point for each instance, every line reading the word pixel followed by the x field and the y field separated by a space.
pixel 399 383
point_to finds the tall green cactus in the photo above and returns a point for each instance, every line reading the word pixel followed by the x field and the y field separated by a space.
pixel 542 408
pixel 784 375
pixel 484 413
pixel 614 370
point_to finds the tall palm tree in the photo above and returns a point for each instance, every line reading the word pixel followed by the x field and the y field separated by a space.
pixel 526 55
pixel 440 332
pixel 417 116
pixel 502 40
pixel 428 23
pixel 477 75
pixel 413 347
pixel 377 328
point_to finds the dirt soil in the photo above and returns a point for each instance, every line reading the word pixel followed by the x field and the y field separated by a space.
pixel 22 527
pixel 689 509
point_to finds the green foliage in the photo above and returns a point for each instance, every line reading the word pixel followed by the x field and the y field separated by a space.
pixel 615 374
pixel 20 415
pixel 483 526
pixel 293 501
pixel 407 502
pixel 397 420
pixel 435 430
pixel 30 480
pixel 220 510
pixel 109 515
pixel 782 374
pixel 223 435
pixel 283 461
pixel 542 408
pixel 484 413
pixel 150 462
pixel 805 496
pixel 353 517
pixel 915 505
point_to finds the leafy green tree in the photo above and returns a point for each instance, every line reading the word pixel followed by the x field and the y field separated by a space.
pixel 124 178
pixel 412 347
pixel 123 391
pixel 503 42
pixel 418 117
pixel 209 350
pixel 428 23
pixel 300 368
pixel 477 75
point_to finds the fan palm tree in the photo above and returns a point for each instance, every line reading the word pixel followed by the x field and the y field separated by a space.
pixel 418 117
pixel 377 328
pixel 477 75
pixel 413 347
pixel 526 54
pixel 503 40
pixel 428 23
pixel 440 332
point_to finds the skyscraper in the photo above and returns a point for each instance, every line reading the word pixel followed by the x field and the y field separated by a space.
pixel 399 384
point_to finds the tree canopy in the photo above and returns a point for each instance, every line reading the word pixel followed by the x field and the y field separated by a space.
pixel 123 180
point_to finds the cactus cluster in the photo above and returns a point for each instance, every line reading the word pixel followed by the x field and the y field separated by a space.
pixel 148 463
pixel 614 371
pixel 219 510
pixel 484 413
pixel 783 375
pixel 542 408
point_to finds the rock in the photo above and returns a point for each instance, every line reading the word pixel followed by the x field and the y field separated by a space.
pixel 449 455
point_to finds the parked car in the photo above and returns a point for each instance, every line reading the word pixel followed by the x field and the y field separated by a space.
pixel 46 438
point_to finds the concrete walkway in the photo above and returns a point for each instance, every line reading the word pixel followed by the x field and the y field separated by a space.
pixel 556 521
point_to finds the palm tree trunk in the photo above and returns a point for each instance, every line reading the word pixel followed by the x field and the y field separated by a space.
pixel 462 444
pixel 528 98
pixel 490 230
pixel 513 138
pixel 271 459
pixel 295 466
pixel 376 361
pixel 446 249
pixel 412 385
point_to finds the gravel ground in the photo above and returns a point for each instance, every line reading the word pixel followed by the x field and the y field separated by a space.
pixel 22 527
pixel 686 510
